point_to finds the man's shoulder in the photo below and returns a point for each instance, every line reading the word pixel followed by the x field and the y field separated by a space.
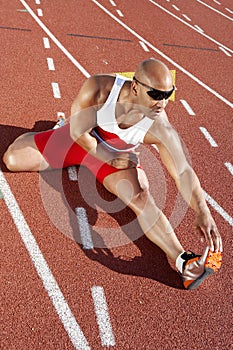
pixel 101 85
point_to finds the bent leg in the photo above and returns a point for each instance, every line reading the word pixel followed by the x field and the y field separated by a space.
pixel 131 186
pixel 23 155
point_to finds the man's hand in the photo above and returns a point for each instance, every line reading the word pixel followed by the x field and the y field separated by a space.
pixel 204 224
pixel 124 160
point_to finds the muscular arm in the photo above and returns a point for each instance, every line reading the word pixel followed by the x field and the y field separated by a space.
pixel 187 182
pixel 83 119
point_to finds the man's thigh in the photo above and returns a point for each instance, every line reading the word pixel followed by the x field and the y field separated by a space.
pixel 127 183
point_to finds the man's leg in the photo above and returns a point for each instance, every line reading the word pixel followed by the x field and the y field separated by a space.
pixel 131 186
pixel 23 155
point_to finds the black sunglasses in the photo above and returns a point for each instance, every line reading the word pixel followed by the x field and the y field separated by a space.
pixel 157 95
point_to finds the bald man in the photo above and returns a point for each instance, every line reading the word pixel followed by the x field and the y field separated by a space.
pixel 110 117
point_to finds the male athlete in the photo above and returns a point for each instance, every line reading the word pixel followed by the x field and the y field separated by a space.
pixel 110 117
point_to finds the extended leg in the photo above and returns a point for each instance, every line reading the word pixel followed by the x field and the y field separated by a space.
pixel 131 186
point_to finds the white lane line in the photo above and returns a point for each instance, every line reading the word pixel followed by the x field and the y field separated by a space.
pixel 40 13
pixel 103 318
pixel 218 208
pixel 37 2
pixel 229 166
pixel 55 40
pixel 198 28
pixel 217 2
pixel 143 45
pixel 186 17
pixel 208 137
pixel 120 13
pixel 46 43
pixel 189 25
pixel 56 90
pixel 50 284
pixel 50 63
pixel 228 10
pixel 84 228
pixel 187 107
pixel 176 8
pixel 86 74
pixel 224 51
pixel 213 9
pixel 112 3
pixel 155 147
pixel 190 75
pixel 72 173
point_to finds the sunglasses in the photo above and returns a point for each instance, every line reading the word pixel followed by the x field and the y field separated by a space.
pixel 157 95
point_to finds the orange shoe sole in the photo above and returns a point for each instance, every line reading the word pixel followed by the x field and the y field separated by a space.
pixel 212 264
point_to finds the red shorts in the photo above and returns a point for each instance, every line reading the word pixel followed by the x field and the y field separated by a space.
pixel 60 151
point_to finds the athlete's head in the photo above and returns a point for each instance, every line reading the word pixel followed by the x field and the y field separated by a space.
pixel 152 84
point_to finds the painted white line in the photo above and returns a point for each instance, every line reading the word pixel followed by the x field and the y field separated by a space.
pixel 218 208
pixel 143 45
pixel 86 74
pixel 176 8
pixel 229 166
pixel 187 107
pixel 217 2
pixel 55 40
pixel 56 90
pixel 208 137
pixel 120 13
pixel 61 114
pixel 50 284
pixel 50 63
pixel 224 51
pixel 228 10
pixel 112 3
pixel 198 28
pixel 155 147
pixel 213 9
pixel 103 318
pixel 37 2
pixel 40 13
pixel 190 75
pixel 84 228
pixel 46 43
pixel 72 173
pixel 186 17
pixel 189 25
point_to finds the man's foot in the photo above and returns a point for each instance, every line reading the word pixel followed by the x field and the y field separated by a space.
pixel 61 121
pixel 197 268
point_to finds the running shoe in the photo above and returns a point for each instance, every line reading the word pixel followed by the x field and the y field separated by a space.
pixel 61 121
pixel 197 268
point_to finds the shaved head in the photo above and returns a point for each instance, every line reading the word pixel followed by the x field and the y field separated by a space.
pixel 154 73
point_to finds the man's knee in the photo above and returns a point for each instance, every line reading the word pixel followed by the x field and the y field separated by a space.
pixel 9 159
pixel 22 156
pixel 142 201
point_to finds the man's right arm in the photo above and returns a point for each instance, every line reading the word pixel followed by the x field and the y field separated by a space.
pixel 83 120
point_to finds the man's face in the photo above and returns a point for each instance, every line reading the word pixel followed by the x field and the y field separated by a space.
pixel 154 99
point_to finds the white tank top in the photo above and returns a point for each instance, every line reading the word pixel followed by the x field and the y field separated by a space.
pixel 106 120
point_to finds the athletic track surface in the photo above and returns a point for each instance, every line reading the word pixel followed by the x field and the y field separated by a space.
pixel 76 271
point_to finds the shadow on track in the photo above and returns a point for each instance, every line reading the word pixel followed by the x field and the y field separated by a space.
pixel 152 263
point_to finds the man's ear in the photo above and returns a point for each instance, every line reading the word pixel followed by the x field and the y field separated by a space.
pixel 134 88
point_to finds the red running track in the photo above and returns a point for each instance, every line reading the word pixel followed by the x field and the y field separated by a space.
pixel 49 283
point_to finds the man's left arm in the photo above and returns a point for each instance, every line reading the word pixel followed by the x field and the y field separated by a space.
pixel 187 182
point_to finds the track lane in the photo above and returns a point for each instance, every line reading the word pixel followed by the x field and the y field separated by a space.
pixel 139 305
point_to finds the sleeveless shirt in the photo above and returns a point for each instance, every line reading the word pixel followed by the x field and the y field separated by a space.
pixel 109 133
